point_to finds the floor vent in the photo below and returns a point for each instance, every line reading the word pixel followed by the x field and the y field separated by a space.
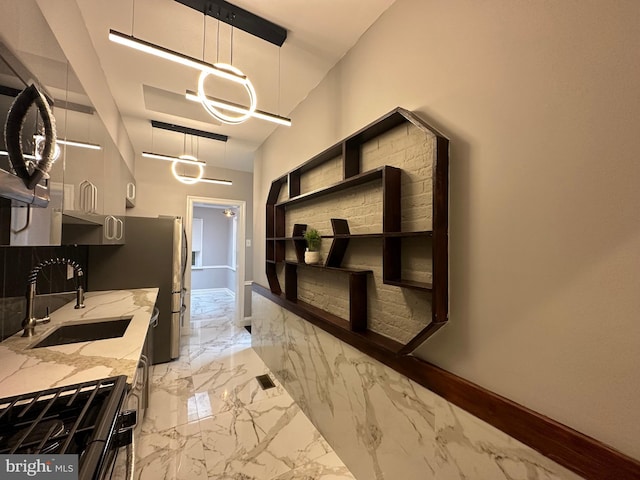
pixel 247 328
pixel 265 382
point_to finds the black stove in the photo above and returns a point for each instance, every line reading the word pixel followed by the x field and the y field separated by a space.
pixel 83 419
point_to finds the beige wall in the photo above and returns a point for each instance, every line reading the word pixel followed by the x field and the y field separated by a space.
pixel 541 101
pixel 159 193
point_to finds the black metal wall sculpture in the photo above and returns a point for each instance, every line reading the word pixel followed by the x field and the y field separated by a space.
pixel 31 172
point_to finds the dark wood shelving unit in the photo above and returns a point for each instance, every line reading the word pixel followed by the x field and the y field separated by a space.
pixel 353 271
pixel 357 321
pixel 349 150
pixel 340 242
pixel 299 242
pixel 576 451
pixel 354 181
pixel 424 233
pixel 410 284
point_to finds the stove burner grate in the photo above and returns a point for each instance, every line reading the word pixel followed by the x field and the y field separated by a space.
pixel 64 420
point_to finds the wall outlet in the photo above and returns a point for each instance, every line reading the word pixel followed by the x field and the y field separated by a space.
pixel 248 242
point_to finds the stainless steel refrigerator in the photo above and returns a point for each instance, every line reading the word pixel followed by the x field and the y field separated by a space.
pixel 154 255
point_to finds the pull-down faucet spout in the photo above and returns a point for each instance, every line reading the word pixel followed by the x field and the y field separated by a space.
pixel 30 322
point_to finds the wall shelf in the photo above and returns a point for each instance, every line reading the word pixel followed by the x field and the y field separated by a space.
pixel 357 321
pixel 424 233
pixel 425 286
pixel 351 182
pixel 394 240
pixel 350 271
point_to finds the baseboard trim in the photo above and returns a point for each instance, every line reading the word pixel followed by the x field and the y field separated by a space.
pixel 575 451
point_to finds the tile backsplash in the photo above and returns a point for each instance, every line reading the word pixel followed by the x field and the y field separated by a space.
pixel 16 264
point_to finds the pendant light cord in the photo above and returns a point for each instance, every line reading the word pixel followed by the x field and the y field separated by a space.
pixel 218 43
pixel 133 16
pixel 231 46
pixel 204 33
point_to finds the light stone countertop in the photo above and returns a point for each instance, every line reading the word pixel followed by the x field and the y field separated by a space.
pixel 24 369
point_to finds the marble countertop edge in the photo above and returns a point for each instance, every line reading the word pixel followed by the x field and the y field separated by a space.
pixel 24 369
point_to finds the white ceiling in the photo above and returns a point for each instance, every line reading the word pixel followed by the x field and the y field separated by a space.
pixel 145 87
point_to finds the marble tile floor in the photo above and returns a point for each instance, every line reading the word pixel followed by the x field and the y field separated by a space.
pixel 208 418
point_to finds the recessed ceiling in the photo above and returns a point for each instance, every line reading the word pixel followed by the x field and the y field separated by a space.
pixel 145 87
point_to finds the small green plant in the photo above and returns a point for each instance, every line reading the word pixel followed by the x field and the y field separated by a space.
pixel 313 239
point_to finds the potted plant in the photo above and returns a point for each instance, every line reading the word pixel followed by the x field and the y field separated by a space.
pixel 313 239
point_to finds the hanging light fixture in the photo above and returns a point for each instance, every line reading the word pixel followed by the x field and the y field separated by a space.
pixel 187 157
pixel 189 180
pixel 158 51
pixel 39 140
pixel 30 157
pixel 212 109
pixel 184 158
pixel 234 107
pixel 73 143
pixel 216 112
pixel 217 108
pixel 181 159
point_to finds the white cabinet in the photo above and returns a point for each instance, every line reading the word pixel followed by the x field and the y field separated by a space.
pixel 115 193
pixel 84 168
pixel 130 186
pixel 94 183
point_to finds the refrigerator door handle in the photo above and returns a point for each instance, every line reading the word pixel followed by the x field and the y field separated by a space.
pixel 175 335
pixel 176 301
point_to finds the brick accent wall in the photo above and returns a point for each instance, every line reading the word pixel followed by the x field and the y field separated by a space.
pixel 395 312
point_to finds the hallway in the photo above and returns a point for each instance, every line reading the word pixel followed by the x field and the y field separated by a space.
pixel 209 418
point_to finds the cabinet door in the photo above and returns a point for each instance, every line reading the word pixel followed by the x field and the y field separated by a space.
pixel 115 191
pixel 84 168
pixel 130 186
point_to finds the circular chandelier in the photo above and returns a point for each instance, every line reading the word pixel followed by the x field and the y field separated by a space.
pixel 216 112
pixel 184 179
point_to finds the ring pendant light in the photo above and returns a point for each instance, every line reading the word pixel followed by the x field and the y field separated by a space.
pixel 213 110
pixel 216 112
pixel 185 178
pixel 214 107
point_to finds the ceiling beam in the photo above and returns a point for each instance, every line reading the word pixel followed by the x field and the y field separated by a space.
pixel 239 18
pixel 189 131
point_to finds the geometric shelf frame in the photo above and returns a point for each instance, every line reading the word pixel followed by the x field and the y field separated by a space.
pixel 392 236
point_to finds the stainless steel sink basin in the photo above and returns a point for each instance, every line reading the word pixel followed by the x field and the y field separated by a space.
pixel 86 332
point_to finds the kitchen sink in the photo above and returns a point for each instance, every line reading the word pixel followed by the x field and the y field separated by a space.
pixel 100 329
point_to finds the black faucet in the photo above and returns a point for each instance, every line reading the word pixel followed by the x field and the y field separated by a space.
pixel 30 322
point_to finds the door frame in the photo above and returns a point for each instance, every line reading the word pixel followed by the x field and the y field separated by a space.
pixel 241 205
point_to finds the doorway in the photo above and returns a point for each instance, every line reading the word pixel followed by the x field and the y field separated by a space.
pixel 215 231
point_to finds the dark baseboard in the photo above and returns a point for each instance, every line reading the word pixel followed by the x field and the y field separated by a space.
pixel 573 450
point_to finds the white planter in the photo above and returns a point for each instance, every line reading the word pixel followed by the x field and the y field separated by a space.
pixel 311 257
